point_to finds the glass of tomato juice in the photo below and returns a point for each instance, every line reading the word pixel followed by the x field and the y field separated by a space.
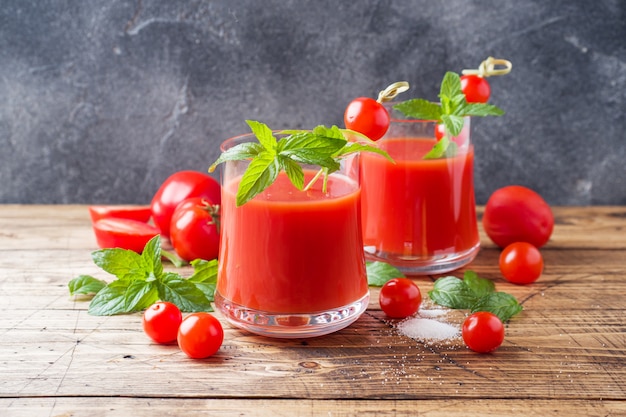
pixel 292 262
pixel 419 214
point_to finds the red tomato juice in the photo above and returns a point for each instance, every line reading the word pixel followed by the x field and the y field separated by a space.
pixel 289 251
pixel 418 208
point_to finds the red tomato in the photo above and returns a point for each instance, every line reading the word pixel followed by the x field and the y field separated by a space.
pixel 440 131
pixel 367 116
pixel 161 321
pixel 517 214
pixel 521 263
pixel 475 88
pixel 178 187
pixel 123 233
pixel 400 298
pixel 194 231
pixel 139 213
pixel 200 335
pixel 483 332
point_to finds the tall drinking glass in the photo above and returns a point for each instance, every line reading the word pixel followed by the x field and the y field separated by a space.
pixel 291 261
pixel 419 214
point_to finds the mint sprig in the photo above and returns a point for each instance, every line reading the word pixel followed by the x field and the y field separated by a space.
pixel 141 281
pixel 323 147
pixel 475 294
pixel 451 111
pixel 378 273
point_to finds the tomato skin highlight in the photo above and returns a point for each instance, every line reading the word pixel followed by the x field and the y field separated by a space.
pixel 367 116
pixel 161 321
pixel 517 214
pixel 194 231
pixel 521 263
pixel 483 332
pixel 139 213
pixel 123 233
pixel 400 298
pixel 177 188
pixel 475 88
pixel 200 335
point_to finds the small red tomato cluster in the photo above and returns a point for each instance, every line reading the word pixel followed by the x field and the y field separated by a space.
pixel 199 335
pixel 518 220
pixel 185 210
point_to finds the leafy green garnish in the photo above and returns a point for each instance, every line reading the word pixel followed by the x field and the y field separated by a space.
pixel 378 273
pixel 475 294
pixel 450 111
pixel 322 146
pixel 141 281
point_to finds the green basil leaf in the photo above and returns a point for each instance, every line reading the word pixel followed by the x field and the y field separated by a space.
pixel 501 304
pixel 479 286
pixel 204 271
pixel 140 295
pixel 452 292
pixel 185 294
pixel 259 175
pixel 123 263
pixel 85 284
pixel 420 109
pixel 123 296
pixel 353 147
pixel 264 134
pixel 173 258
pixel 378 273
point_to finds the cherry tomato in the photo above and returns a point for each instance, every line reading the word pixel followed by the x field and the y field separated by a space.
pixel 200 335
pixel 517 214
pixel 194 231
pixel 400 298
pixel 367 116
pixel 483 332
pixel 178 187
pixel 161 321
pixel 475 88
pixel 440 131
pixel 123 233
pixel 521 263
pixel 139 213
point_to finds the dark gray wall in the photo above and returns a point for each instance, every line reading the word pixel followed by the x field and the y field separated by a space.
pixel 101 100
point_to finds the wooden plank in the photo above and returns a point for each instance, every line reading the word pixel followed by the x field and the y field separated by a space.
pixel 566 350
pixel 149 407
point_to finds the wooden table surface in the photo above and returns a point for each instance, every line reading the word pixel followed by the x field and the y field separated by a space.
pixel 565 354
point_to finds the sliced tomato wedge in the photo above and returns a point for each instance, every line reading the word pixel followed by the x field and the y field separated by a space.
pixel 139 213
pixel 123 233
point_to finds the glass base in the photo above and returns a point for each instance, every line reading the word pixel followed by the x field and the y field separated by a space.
pixel 419 265
pixel 290 326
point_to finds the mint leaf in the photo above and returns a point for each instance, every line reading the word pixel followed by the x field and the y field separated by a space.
pixel 482 110
pixel 378 273
pixel 186 295
pixel 85 284
pixel 450 85
pixel 151 256
pixel 454 124
pixel 439 149
pixel 264 134
pixel 259 175
pixel 123 296
pixel 420 109
pixel 452 292
pixel 479 286
pixel 173 258
pixel 293 170
pixel 501 304
pixel 241 152
pixel 123 263
pixel 205 277
pixel 353 147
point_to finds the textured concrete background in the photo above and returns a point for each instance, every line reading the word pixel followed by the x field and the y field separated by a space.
pixel 101 100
